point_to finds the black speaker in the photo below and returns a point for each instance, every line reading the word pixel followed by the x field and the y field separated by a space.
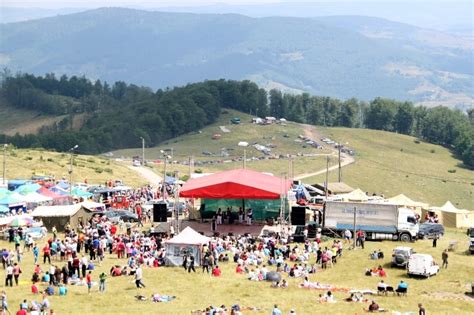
pixel 298 215
pixel 312 230
pixel 159 212
pixel 298 238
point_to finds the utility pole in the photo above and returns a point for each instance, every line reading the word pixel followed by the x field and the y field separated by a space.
pixel 189 165
pixel 143 151
pixel 340 169
pixel 70 168
pixel 4 162
pixel 164 179
pixel 176 201
pixel 245 159
pixel 327 177
pixel 354 232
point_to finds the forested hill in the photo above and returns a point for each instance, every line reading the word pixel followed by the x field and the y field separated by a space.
pixel 336 56
pixel 116 116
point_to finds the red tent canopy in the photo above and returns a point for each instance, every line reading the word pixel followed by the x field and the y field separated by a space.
pixel 236 184
pixel 48 193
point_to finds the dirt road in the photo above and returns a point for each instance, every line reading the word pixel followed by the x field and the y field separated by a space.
pixel 345 158
pixel 153 178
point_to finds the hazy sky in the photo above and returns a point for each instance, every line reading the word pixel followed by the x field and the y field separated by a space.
pixel 155 4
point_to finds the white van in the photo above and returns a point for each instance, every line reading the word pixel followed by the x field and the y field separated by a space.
pixel 422 265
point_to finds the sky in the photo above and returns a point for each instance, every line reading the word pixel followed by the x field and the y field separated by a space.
pixel 56 4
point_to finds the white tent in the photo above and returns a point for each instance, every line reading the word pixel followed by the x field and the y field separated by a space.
pixel 56 211
pixel 35 197
pixel 450 216
pixel 187 242
pixel 356 195
pixel 93 206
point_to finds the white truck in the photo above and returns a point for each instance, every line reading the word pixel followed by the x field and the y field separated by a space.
pixel 379 221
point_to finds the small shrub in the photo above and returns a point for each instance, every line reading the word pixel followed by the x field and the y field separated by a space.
pixel 452 171
pixel 41 158
pixel 417 141
pixel 63 155
pixel 433 151
pixel 184 178
pixel 90 160
pixel 99 170
pixel 81 165
pixel 401 150
pixel 13 153
pixel 49 160
pixel 102 162
pixel 28 158
pixel 108 170
pixel 198 171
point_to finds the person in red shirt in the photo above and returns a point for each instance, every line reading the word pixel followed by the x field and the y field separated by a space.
pixel 21 312
pixel 239 269
pixel 216 272
pixel 46 254
pixel 113 229
pixel 89 282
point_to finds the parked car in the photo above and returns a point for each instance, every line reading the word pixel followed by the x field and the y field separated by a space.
pixel 430 230
pixel 125 216
pixel 136 163
pixel 36 232
pixel 422 265
pixel 470 233
pixel 400 256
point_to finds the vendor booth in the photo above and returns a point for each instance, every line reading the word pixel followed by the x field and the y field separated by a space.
pixel 60 216
pixel 188 242
pixel 450 216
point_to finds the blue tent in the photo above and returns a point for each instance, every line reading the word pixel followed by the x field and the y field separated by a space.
pixel 15 183
pixel 170 180
pixel 4 209
pixel 8 200
pixel 63 185
pixel 27 188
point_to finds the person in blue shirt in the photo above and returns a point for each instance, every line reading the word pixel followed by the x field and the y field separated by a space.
pixel 62 290
pixel 36 253
pixel 402 287
pixel 49 290
pixel 276 310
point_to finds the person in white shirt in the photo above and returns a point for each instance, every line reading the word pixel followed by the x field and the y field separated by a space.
pixel 9 276
pixel 139 277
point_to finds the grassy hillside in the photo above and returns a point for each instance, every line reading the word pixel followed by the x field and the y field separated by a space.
pixel 194 144
pixel 13 120
pixel 23 163
pixel 385 162
pixel 389 163
pixel 320 56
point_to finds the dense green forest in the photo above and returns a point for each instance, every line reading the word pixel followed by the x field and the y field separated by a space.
pixel 118 115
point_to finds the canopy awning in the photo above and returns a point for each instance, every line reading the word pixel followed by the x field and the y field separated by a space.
pixel 236 184
pixel 190 237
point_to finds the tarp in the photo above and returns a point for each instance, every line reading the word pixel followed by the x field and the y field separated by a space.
pixel 59 190
pixel 188 242
pixel 34 197
pixel 236 184
pixel 93 206
pixel 56 211
pixel 27 188
pixel 48 193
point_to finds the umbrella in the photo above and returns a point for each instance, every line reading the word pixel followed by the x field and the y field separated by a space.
pixel 27 188
pixel 21 221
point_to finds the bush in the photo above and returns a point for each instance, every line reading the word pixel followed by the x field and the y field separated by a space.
pixel 108 170
pixel 433 151
pixel 28 158
pixel 452 171
pixel 184 178
pixel 99 170
pixel 198 171
pixel 49 160
pixel 90 160
pixel 417 141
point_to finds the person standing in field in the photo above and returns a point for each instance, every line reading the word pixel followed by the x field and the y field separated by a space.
pixel 89 282
pixel 139 277
pixel 102 278
pixel 444 256
pixel 16 272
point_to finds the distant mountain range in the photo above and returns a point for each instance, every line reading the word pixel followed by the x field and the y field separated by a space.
pixel 339 56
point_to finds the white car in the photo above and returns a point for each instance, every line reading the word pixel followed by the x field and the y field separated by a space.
pixel 136 163
pixel 422 265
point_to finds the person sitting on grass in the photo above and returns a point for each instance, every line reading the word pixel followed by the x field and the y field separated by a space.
pixel 62 290
pixel 49 290
pixel 216 272
pixel 239 269
pixel 373 307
